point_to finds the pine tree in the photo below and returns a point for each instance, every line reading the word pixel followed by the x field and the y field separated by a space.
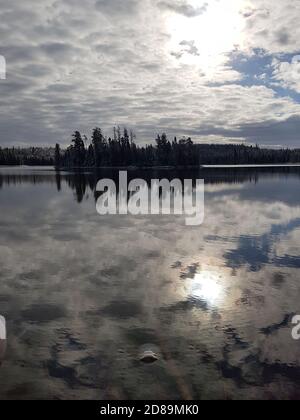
pixel 57 156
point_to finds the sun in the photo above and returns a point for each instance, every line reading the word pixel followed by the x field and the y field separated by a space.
pixel 205 39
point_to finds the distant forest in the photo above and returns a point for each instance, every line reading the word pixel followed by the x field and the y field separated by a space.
pixel 121 150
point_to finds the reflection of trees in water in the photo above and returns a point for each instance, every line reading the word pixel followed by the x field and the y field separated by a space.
pixel 82 182
pixel 16 179
pixel 78 182
pixel 58 181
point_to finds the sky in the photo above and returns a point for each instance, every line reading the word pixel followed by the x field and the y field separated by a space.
pixel 216 70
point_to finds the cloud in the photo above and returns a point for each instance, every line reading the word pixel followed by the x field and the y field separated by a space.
pixel 273 132
pixel 288 73
pixel 117 7
pixel 273 26
pixel 183 7
pixel 186 47
pixel 73 66
pixel 283 37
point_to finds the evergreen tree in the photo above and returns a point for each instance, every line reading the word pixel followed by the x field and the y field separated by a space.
pixel 78 150
pixel 57 156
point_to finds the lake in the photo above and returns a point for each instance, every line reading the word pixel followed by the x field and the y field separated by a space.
pixel 84 295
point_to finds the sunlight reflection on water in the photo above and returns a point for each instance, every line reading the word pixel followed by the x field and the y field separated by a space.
pixel 206 286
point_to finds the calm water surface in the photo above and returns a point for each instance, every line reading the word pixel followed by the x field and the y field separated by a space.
pixel 83 294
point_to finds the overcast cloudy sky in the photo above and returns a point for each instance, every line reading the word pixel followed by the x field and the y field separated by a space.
pixel 218 70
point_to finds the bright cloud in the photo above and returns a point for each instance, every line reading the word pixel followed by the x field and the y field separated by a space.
pixel 288 73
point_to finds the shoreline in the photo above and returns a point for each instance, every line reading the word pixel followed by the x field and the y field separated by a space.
pixel 134 168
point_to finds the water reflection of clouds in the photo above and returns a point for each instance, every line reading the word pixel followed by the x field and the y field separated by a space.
pixel 257 250
pixel 86 266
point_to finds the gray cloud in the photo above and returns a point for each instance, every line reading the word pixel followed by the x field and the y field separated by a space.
pixel 272 132
pixel 119 7
pixel 283 37
pixel 183 7
pixel 190 47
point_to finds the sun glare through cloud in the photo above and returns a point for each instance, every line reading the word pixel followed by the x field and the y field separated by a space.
pixel 205 39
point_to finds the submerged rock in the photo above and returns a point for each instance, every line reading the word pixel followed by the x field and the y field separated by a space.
pixel 2 328
pixel 149 354
pixel 2 338
pixel 148 357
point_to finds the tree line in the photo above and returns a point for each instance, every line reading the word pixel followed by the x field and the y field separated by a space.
pixel 121 150
pixel 31 156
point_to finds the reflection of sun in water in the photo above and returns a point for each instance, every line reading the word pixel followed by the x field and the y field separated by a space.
pixel 206 286
pixel 203 40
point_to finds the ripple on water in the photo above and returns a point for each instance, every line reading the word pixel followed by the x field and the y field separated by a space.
pixel 43 313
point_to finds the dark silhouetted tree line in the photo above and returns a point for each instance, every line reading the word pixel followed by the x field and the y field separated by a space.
pixel 31 156
pixel 121 150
